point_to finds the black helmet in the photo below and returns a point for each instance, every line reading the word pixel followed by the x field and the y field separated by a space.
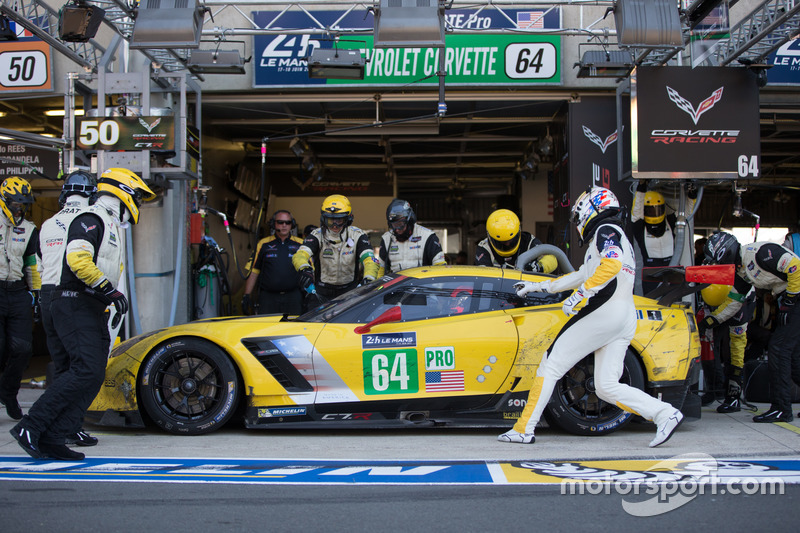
pixel 77 182
pixel 401 219
pixel 722 248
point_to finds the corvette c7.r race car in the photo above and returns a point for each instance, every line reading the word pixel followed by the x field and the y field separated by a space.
pixel 430 346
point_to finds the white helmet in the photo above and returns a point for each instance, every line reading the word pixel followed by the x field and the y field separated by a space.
pixel 589 205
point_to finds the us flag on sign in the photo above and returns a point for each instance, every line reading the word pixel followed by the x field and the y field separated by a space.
pixel 445 380
pixel 530 19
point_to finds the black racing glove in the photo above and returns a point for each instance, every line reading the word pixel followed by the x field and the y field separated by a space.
pixel 115 298
pixel 37 306
pixel 785 308
pixel 708 322
pixel 307 279
pixel 247 305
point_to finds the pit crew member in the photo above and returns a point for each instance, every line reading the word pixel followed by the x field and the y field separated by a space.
pixel 505 241
pixel 605 325
pixel 767 265
pixel 407 244
pixel 19 288
pixel 88 278
pixel 341 253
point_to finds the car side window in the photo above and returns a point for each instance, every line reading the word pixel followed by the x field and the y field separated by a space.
pixel 531 299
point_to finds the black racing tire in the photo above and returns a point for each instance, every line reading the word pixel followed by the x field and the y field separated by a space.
pixel 189 386
pixel 575 407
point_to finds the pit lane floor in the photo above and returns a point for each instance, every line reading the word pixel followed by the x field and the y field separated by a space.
pixel 425 455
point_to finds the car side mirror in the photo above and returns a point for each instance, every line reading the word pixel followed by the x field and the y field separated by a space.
pixel 393 314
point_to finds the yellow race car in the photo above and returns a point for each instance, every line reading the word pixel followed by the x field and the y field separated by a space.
pixel 431 346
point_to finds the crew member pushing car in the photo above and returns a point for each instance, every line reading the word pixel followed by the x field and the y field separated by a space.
pixel 342 254
pixel 88 277
pixel 605 325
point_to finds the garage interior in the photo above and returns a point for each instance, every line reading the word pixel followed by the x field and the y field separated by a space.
pixel 456 167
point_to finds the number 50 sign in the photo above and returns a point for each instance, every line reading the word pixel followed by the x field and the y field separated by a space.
pixel 25 66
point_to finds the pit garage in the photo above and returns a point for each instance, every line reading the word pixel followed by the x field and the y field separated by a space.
pixel 519 111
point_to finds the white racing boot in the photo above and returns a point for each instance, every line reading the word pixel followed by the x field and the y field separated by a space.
pixel 667 428
pixel 515 436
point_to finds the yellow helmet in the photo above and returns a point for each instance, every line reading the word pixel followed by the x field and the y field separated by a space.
pixel 654 207
pixel 502 228
pixel 714 295
pixel 128 187
pixel 16 195
pixel 336 211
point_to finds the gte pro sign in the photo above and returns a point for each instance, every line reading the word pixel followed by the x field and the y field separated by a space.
pixel 695 123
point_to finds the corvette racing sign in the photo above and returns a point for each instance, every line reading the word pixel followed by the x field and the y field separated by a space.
pixel 694 123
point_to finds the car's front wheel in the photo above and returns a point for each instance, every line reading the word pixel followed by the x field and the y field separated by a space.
pixel 189 387
pixel 575 407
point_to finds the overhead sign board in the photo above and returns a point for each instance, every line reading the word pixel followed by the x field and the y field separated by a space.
pixel 18 159
pixel 483 58
pixel 125 133
pixel 25 64
pixel 695 123
pixel 785 62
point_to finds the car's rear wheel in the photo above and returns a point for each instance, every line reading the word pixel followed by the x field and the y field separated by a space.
pixel 189 387
pixel 575 407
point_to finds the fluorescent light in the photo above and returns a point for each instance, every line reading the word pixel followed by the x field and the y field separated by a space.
pixel 61 112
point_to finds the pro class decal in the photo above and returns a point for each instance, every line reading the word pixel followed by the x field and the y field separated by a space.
pixel 389 340
pixel 440 358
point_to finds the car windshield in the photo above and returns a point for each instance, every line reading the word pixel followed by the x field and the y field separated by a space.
pixel 327 310
pixel 425 298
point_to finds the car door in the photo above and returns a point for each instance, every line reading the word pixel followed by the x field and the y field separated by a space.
pixel 453 345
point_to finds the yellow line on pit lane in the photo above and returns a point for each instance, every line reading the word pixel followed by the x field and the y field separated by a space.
pixel 788 426
pixel 158 474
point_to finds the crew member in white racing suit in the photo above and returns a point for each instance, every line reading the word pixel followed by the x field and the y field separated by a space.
pixel 767 265
pixel 407 244
pixel 19 288
pixel 87 283
pixel 505 241
pixel 79 186
pixel 605 325
pixel 654 229
pixel 341 253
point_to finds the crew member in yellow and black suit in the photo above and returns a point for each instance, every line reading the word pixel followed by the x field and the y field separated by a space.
pixel 19 288
pixel 89 279
pixel 277 279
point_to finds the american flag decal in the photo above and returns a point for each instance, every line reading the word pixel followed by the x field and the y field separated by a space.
pixel 530 19
pixel 444 380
